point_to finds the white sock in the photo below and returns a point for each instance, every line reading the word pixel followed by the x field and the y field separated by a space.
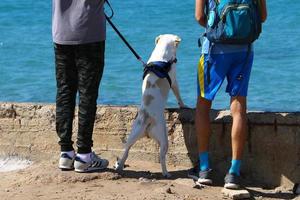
pixel 86 157
pixel 69 153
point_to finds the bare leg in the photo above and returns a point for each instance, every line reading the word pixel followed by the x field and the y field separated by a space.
pixel 202 123
pixel 238 108
pixel 238 137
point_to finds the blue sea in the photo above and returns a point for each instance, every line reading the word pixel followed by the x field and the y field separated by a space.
pixel 27 60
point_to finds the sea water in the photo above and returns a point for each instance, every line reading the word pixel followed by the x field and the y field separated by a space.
pixel 27 72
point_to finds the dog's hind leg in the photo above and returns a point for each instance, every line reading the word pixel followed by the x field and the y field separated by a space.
pixel 138 131
pixel 159 132
pixel 162 155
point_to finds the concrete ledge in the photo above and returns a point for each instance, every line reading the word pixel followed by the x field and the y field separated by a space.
pixel 271 158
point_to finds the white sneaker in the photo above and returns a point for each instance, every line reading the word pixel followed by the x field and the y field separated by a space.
pixel 66 162
pixel 205 177
pixel 232 181
pixel 95 164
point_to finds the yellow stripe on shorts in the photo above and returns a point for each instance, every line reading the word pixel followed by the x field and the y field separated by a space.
pixel 201 75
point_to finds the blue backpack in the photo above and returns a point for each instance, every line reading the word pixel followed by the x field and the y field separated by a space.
pixel 234 22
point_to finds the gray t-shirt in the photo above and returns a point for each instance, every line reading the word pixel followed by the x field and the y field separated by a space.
pixel 78 21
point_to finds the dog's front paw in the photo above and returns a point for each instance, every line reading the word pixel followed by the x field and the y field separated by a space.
pixel 118 166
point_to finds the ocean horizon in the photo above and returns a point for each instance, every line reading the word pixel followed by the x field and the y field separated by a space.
pixel 27 72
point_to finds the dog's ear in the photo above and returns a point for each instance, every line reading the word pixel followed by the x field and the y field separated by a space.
pixel 177 41
pixel 157 39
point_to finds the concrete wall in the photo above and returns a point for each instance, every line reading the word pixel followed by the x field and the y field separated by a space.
pixel 271 158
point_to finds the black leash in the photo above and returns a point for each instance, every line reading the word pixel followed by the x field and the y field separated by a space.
pixel 121 36
pixel 161 72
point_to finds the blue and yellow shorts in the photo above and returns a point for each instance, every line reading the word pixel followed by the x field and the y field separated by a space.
pixel 213 69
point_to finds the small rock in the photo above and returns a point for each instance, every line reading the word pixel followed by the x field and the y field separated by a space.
pixel 146 180
pixel 116 177
pixel 184 181
pixel 142 179
pixel 297 197
pixel 198 186
pixel 278 190
pixel 236 194
pixel 169 191
pixel 7 190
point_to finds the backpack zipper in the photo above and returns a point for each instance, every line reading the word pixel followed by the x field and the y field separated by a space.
pixel 235 7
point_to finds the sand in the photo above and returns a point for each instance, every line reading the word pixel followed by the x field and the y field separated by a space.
pixel 140 180
pixel 11 163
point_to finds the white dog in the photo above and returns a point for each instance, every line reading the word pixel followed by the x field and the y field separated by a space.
pixel 150 119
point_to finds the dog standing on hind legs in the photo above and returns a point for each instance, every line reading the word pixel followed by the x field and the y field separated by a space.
pixel 159 77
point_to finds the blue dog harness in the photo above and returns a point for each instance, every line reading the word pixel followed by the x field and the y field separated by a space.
pixel 160 69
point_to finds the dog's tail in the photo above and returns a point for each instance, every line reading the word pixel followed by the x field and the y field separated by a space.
pixel 144 118
pixel 139 128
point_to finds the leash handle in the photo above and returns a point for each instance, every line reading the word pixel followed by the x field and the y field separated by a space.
pixel 112 10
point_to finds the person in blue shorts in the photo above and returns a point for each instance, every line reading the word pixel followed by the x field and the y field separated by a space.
pixel 234 63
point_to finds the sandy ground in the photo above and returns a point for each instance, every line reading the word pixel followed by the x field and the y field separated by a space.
pixel 140 180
